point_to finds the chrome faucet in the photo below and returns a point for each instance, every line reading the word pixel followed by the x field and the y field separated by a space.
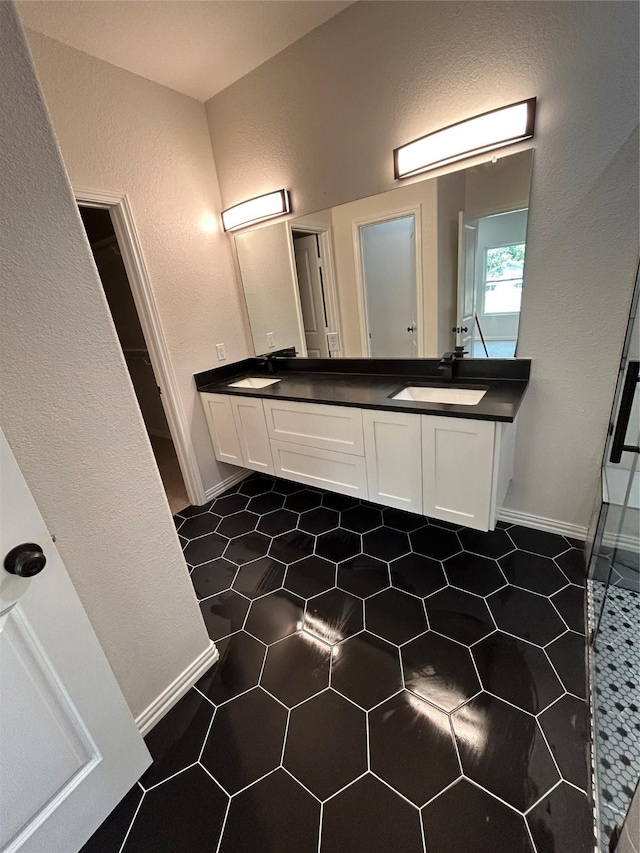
pixel 447 363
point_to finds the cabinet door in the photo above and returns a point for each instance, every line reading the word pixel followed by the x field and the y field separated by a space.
pixel 394 459
pixel 458 460
pixel 251 425
pixel 222 428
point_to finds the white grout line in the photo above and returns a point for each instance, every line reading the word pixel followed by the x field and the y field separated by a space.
pixel 135 815
pixel 206 737
pixel 173 776
pixel 344 787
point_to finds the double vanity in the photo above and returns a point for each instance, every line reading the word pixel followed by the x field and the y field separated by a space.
pixel 389 431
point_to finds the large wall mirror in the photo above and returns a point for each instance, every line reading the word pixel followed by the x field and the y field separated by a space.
pixel 408 273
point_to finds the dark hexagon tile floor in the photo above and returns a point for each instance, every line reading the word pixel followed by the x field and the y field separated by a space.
pixel 368 696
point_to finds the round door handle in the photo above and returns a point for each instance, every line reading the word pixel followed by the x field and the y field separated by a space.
pixel 25 560
pixel 412 328
pixel 460 329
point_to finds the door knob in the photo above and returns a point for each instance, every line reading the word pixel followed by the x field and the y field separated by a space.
pixel 412 327
pixel 25 560
pixel 460 329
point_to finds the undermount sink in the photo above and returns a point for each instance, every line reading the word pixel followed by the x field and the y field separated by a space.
pixel 253 382
pixel 457 396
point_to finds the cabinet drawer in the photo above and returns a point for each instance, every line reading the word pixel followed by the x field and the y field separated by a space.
pixel 326 469
pixel 335 428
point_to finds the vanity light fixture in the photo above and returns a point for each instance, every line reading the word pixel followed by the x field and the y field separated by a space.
pixel 256 210
pixel 485 132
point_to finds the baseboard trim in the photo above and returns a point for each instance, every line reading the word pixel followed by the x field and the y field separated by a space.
pixel 624 540
pixel 539 522
pixel 153 713
pixel 223 485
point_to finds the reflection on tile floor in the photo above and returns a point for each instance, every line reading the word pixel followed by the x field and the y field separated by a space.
pixel 385 685
pixel 616 662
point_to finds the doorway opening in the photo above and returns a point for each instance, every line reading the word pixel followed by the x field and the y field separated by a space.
pixel 314 275
pixel 113 275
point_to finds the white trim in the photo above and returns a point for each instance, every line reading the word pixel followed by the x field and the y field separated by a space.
pixel 143 297
pixel 223 485
pixel 356 224
pixel 539 522
pixel 163 703
pixel 622 540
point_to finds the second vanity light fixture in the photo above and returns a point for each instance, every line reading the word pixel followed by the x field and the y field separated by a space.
pixel 485 132
pixel 256 210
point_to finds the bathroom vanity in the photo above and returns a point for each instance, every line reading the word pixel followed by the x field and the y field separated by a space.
pixel 388 431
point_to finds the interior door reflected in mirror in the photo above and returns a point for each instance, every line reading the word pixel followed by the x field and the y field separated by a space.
pixel 407 273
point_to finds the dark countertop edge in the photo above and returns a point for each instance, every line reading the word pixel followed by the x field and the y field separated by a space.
pixel 384 405
pixel 422 369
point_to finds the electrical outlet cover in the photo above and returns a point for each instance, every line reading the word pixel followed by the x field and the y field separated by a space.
pixel 333 342
pixel 270 341
pixel 221 352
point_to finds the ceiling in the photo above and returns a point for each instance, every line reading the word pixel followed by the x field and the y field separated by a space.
pixel 197 47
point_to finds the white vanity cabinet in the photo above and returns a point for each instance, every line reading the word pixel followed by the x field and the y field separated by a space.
pixel 454 469
pixel 238 431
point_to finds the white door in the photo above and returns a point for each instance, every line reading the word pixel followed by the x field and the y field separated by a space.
pixel 388 257
pixel 394 459
pixel 312 296
pixel 69 747
pixel 466 318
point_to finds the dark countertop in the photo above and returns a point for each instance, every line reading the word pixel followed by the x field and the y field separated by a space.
pixel 335 382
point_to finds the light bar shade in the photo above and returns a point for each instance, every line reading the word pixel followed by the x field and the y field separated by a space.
pixel 477 135
pixel 256 210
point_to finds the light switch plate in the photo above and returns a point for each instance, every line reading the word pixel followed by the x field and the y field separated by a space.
pixel 222 354
pixel 333 342
pixel 270 341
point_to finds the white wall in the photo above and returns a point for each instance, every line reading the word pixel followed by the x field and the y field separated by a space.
pixel 270 286
pixel 496 187
pixel 323 117
pixel 69 412
pixel 120 132
pixel 451 200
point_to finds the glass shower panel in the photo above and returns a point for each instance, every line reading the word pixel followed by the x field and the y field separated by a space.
pixel 614 602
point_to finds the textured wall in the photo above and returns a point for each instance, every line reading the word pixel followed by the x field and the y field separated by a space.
pixel 120 132
pixel 323 116
pixel 68 409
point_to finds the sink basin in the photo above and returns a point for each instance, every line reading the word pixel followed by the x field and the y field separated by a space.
pixel 253 382
pixel 457 396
